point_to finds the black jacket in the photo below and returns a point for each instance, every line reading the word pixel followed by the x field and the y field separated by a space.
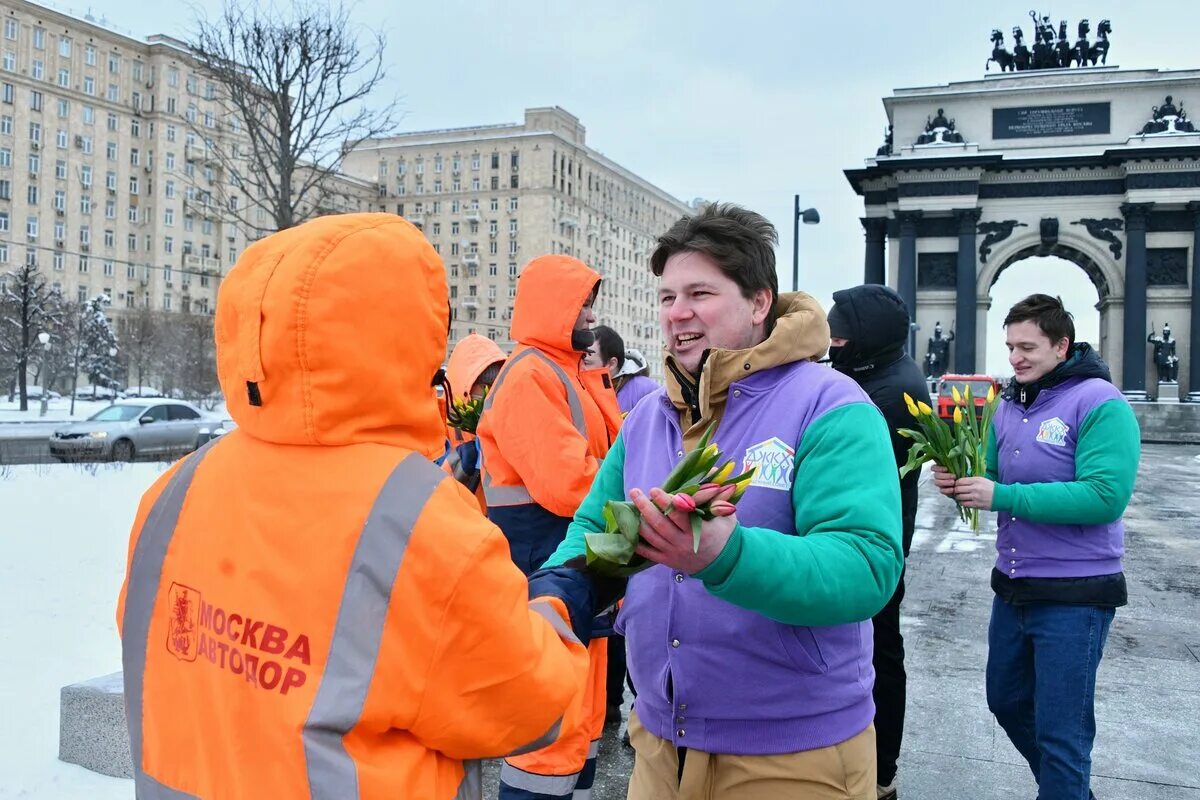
pixel 875 321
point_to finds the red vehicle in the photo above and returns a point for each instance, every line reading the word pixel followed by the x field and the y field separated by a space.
pixel 979 385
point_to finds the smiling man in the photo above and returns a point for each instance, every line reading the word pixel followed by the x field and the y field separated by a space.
pixel 751 655
pixel 1061 464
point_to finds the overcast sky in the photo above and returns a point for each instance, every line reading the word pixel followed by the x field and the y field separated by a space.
pixel 748 102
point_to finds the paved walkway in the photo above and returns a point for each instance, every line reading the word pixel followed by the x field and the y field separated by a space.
pixel 1148 706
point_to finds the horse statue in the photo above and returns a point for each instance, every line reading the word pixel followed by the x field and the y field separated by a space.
pixel 1099 51
pixel 1021 56
pixel 999 54
pixel 1063 49
pixel 1082 45
pixel 1043 51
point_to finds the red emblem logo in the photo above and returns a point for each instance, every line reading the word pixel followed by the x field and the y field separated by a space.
pixel 183 608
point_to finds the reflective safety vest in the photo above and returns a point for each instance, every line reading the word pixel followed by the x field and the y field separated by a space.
pixel 217 663
pixel 497 496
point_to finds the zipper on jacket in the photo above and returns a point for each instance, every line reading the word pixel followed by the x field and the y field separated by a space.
pixel 689 390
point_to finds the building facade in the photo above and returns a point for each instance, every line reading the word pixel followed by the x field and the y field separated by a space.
pixel 109 175
pixel 491 198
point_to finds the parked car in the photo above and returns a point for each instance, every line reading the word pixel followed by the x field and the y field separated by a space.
pixel 143 391
pixel 129 429
pixel 90 392
pixel 36 392
pixel 978 384
pixel 215 429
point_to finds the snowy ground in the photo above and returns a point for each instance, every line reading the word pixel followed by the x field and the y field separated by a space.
pixel 64 530
pixel 56 410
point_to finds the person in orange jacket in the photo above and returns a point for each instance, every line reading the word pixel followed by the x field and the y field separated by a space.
pixel 546 425
pixel 312 608
pixel 470 372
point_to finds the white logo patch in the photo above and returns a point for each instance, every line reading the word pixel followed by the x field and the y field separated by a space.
pixel 774 463
pixel 1053 431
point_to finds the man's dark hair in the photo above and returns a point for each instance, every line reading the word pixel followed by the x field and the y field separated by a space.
pixel 739 240
pixel 610 344
pixel 1048 312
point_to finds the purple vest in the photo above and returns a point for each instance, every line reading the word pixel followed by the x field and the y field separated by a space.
pixel 711 675
pixel 634 390
pixel 1037 445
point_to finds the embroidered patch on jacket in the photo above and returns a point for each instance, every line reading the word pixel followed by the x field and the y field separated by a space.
pixel 775 463
pixel 1053 431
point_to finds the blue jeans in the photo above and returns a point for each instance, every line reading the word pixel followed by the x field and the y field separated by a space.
pixel 1041 687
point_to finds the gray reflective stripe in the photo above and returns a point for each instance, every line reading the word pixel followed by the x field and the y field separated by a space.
pixel 545 740
pixel 519 495
pixel 553 785
pixel 146 788
pixel 594 749
pixel 544 609
pixel 471 787
pixel 358 632
pixel 582 794
pixel 145 575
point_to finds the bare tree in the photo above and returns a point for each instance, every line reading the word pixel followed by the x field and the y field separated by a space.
pixel 188 361
pixel 140 334
pixel 28 305
pixel 297 82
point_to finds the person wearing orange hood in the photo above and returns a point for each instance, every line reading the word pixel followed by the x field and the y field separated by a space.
pixel 546 425
pixel 311 607
pixel 470 372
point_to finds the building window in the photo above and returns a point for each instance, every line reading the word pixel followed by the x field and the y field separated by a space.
pixel 60 169
pixel 64 78
pixel 39 69
pixel 512 204
pixel 31 194
pixel 89 86
pixel 89 115
pixel 110 151
pixel 9 94
pixel 31 227
pixel 513 182
pixel 5 189
pixel 169 217
pixel 10 29
pixel 495 161
pixel 10 60
pixel 5 156
pixel 137 70
pixel 114 64
pixel 64 47
pixel 85 175
pixel 475 161
pixel 171 136
pixel 39 38
pixel 89 56
pixel 6 125
pixel 474 184
pixel 114 93
pixel 168 245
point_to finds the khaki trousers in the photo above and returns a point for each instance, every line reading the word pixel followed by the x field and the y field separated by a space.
pixel 843 771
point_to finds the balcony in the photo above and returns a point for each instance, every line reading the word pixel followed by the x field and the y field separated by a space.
pixel 470 301
pixel 471 259
pixel 192 263
pixel 569 220
pixel 472 216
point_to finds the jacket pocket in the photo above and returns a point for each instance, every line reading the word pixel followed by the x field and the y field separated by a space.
pixel 803 649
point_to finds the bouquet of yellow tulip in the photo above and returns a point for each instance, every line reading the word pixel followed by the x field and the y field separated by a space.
pixel 961 449
pixel 466 412
pixel 704 472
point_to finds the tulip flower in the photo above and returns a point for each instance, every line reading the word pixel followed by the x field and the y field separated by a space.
pixel 698 487
pixel 961 449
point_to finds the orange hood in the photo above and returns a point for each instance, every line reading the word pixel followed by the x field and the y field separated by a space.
pixel 340 324
pixel 470 358
pixel 550 293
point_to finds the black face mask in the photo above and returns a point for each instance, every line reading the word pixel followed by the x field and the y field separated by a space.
pixel 841 357
pixel 582 340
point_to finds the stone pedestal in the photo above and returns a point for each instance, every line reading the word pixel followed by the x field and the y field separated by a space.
pixel 1168 393
pixel 91 728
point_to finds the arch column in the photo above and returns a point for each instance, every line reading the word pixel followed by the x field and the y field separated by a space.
pixel 1133 372
pixel 1193 395
pixel 906 285
pixel 966 285
pixel 875 230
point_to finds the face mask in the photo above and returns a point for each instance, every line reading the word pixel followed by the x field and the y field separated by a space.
pixel 841 356
pixel 582 340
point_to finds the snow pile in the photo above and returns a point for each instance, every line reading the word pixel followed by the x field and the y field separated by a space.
pixel 65 534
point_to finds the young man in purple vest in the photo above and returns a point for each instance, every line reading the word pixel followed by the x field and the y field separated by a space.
pixel 752 655
pixel 1062 459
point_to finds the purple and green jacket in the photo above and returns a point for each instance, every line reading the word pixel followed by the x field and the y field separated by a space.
pixel 768 649
pixel 1065 469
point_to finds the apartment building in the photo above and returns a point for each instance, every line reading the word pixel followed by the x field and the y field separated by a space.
pixel 492 197
pixel 110 180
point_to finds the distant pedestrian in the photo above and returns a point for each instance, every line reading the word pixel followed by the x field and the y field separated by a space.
pixel 633 380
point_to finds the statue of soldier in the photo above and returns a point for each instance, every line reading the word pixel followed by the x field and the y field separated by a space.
pixel 1165 359
pixel 937 357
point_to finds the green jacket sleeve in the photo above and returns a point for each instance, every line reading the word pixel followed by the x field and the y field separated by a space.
pixel 609 484
pixel 844 563
pixel 1106 459
pixel 992 473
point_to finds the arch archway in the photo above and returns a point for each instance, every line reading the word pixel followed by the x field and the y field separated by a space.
pixel 1050 274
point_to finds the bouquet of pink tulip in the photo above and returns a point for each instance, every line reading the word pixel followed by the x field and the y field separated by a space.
pixel 695 483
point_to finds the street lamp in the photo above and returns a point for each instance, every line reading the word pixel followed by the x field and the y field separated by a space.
pixel 44 339
pixel 112 398
pixel 808 216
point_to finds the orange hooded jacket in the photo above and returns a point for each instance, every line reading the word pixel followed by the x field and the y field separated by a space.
pixel 529 435
pixel 470 359
pixel 312 608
